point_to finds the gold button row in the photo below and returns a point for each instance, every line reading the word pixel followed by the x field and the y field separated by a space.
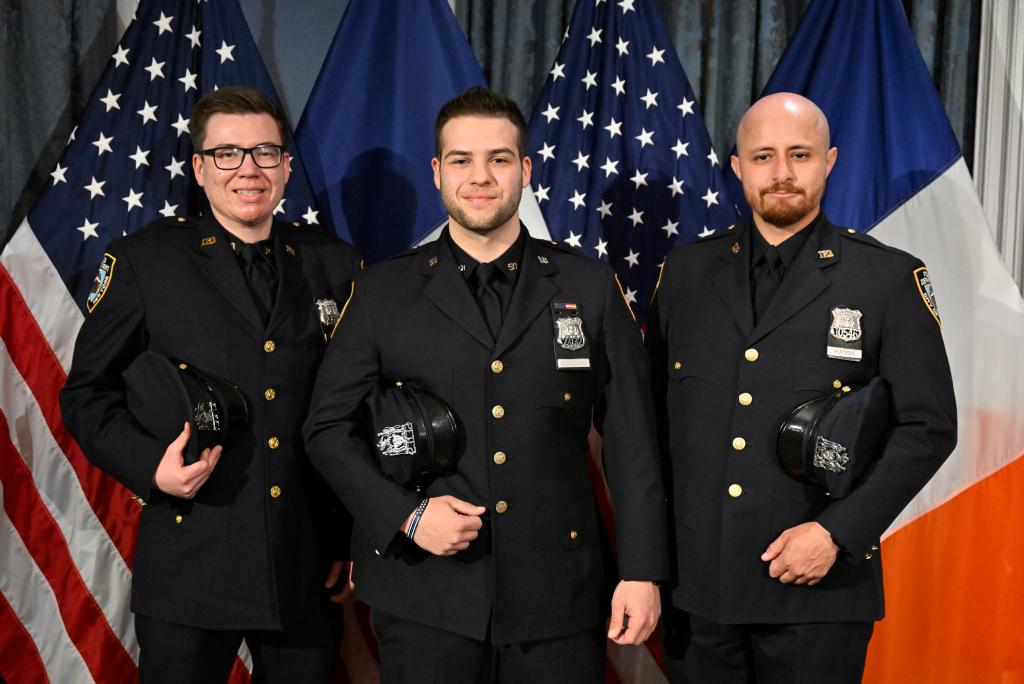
pixel 500 457
pixel 275 492
pixel 735 490
pixel 746 399
pixel 273 442
pixel 269 346
pixel 501 506
pixel 498 411
pixel 751 355
pixel 270 394
pixel 497 366
pixel 739 444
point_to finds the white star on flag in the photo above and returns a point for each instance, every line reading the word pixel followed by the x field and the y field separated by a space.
pixel 710 197
pixel 573 240
pixel 58 174
pixel 590 80
pixel 175 168
pixel 602 248
pixel 629 295
pixel 102 144
pixel 141 157
pixel 155 69
pixel 541 193
pixel 614 128
pixel 610 166
pixel 639 179
pixel 595 36
pixel 655 56
pixel 633 258
pixel 680 149
pixel 95 188
pixel 181 125
pixel 225 51
pixel 646 138
pixel 193 37
pixel 168 209
pixel 581 161
pixel 676 186
pixel 548 152
pixel 619 86
pixel 148 113
pixel 163 23
pixel 622 46
pixel 578 200
pixel 686 107
pixel 279 209
pixel 713 158
pixel 310 217
pixel 551 113
pixel 121 57
pixel 189 80
pixel 133 199
pixel 558 71
pixel 650 99
pixel 637 217
pixel 110 100
pixel 88 230
pixel 605 210
pixel 670 228
pixel 587 119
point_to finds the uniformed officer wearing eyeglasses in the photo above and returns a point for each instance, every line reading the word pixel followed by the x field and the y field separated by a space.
pixel 234 545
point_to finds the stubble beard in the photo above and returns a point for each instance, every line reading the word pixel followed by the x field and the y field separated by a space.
pixel 485 225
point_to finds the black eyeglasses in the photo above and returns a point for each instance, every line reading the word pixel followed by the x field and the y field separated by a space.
pixel 229 157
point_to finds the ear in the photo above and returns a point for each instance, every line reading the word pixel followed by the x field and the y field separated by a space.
pixel 527 169
pixel 735 161
pixel 197 168
pixel 830 160
pixel 435 163
pixel 287 161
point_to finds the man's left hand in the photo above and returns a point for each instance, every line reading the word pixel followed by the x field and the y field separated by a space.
pixel 347 590
pixel 636 607
pixel 801 555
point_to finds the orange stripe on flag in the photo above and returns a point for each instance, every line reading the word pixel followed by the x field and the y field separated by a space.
pixel 954 588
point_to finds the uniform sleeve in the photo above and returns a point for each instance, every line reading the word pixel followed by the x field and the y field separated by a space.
pixel 629 449
pixel 93 399
pixel 913 363
pixel 336 442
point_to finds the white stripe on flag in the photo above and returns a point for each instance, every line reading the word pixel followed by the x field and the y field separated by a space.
pixel 33 602
pixel 982 324
pixel 44 292
pixel 98 561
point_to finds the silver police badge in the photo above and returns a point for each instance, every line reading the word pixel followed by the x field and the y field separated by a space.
pixel 570 333
pixel 206 417
pixel 328 311
pixel 830 455
pixel 397 440
pixel 845 324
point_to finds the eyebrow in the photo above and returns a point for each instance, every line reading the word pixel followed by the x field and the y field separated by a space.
pixel 467 153
pixel 769 148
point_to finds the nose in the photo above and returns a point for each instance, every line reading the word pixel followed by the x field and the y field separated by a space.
pixel 248 167
pixel 480 174
pixel 782 168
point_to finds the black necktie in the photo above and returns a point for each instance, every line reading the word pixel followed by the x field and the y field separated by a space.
pixel 487 296
pixel 766 281
pixel 256 274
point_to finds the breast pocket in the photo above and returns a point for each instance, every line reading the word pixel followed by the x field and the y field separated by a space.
pixel 568 390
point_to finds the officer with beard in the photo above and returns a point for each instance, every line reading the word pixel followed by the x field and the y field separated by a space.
pixel 494 572
pixel 776 580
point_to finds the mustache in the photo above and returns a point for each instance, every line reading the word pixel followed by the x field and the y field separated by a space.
pixel 782 186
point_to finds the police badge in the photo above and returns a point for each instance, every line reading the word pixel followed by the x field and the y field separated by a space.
pixel 570 342
pixel 844 334
pixel 327 309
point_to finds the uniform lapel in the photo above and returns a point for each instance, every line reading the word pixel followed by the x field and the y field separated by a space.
pixel 446 289
pixel 805 280
pixel 292 289
pixel 533 291
pixel 732 281
pixel 214 258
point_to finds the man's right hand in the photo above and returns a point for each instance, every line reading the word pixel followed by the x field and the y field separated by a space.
pixel 177 479
pixel 447 525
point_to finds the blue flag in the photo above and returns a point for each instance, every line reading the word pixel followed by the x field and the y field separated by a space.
pixel 129 159
pixel 859 62
pixel 367 133
pixel 623 164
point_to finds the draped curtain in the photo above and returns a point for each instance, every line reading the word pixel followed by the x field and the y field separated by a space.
pixel 728 48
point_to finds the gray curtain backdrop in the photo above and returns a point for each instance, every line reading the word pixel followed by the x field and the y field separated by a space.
pixel 728 48
pixel 51 54
pixel 54 50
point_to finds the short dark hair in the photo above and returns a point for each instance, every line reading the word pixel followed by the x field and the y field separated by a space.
pixel 478 101
pixel 233 100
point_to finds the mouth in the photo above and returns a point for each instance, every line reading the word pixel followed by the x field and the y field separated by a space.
pixel 249 193
pixel 479 199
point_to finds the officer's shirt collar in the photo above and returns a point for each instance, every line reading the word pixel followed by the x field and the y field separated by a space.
pixel 788 249
pixel 508 263
pixel 265 247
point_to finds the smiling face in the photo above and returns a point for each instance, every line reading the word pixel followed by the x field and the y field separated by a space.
pixel 783 159
pixel 243 199
pixel 480 174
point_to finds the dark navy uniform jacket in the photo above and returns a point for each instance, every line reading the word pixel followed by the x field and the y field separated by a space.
pixel 244 553
pixel 536 570
pixel 724 385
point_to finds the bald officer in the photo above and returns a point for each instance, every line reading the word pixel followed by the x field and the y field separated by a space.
pixel 777 582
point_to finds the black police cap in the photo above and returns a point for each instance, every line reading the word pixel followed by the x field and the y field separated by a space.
pixel 163 393
pixel 830 441
pixel 415 433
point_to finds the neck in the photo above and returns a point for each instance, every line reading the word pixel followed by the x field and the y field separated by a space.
pixel 776 235
pixel 244 232
pixel 485 247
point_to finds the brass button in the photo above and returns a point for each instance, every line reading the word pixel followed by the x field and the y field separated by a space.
pixel 501 506
pixel 837 383
pixel 846 388
pixel 677 365
pixel 275 491
pixel 573 534
pixel 735 490
pixel 178 519
pixel 751 354
pixel 499 457
pixel 739 444
pixel 874 548
pixel 497 366
pixel 498 411
pixel 269 346
pixel 567 396
pixel 273 442
pixel 182 366
pixel 868 556
pixel 746 399
pixel 270 394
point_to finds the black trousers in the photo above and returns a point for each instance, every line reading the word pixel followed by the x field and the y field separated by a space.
pixel 412 653
pixel 178 654
pixel 699 651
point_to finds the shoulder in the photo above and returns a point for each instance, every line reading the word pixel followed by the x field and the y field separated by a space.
pixel 712 244
pixel 858 243
pixel 571 258
pixel 309 237
pixel 161 234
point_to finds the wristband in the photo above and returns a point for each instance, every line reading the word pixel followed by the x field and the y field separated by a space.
pixel 411 532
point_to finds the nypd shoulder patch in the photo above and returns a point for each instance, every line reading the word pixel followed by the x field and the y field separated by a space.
pixel 102 282
pixel 924 287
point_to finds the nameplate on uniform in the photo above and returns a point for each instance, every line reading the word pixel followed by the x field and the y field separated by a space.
pixel 572 350
pixel 845 334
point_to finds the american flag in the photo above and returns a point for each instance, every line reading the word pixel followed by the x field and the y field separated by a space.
pixel 623 164
pixel 67 531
